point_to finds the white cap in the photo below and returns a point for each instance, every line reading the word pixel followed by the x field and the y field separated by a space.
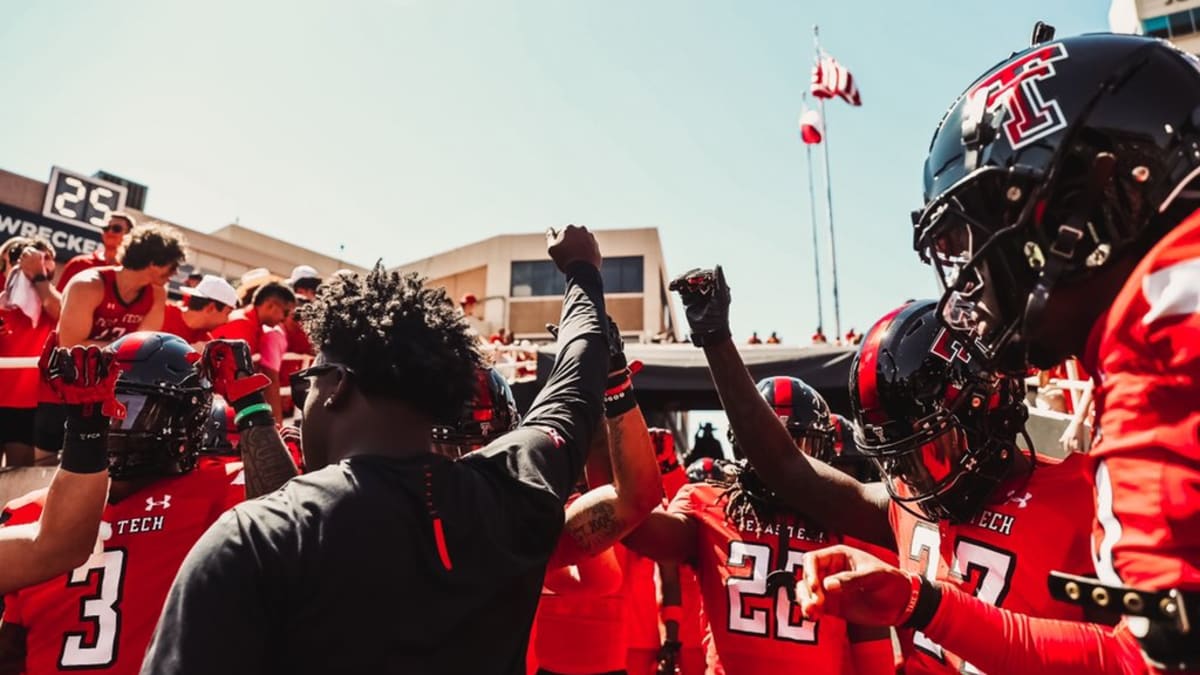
pixel 215 288
pixel 254 274
pixel 303 272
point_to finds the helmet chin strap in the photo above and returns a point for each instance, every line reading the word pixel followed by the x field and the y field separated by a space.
pixel 1062 252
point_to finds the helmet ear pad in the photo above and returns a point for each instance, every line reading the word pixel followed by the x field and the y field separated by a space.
pixel 168 403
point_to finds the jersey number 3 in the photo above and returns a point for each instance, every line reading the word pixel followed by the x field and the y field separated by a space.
pixel 102 610
pixel 755 621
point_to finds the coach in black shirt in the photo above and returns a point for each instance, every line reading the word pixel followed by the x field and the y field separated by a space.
pixel 388 558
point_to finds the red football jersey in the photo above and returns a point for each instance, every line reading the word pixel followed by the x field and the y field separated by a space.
pixel 1144 354
pixel 114 317
pixel 101 616
pixel 753 632
pixel 1005 554
pixel 641 595
pixel 174 324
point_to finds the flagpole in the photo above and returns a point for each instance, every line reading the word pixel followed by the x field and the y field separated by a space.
pixel 812 213
pixel 837 312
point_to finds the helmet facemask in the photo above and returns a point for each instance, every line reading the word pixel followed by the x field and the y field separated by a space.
pixel 161 434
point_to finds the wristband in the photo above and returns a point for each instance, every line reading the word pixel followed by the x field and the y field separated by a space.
pixel 671 613
pixel 711 338
pixel 85 442
pixel 907 612
pixel 248 414
pixel 618 394
pixel 253 398
pixel 929 596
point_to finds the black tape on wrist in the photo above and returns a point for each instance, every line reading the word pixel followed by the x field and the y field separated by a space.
pixel 249 400
pixel 618 394
pixel 85 442
pixel 928 601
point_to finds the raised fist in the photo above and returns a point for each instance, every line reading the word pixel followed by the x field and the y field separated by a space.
pixel 230 368
pixel 705 297
pixel 83 376
pixel 572 244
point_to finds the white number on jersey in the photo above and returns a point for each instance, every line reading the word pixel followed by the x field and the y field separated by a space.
pixel 755 586
pixel 101 609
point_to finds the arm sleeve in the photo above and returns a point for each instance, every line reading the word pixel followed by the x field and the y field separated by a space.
pixel 973 629
pixel 220 597
pixel 549 449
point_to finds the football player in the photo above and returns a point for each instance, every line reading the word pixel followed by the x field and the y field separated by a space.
pixel 1061 216
pixel 961 504
pixel 746 546
pixel 163 496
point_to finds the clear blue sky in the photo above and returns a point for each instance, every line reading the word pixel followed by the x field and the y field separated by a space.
pixel 400 128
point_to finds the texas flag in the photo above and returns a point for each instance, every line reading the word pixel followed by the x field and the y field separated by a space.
pixel 830 78
pixel 811 127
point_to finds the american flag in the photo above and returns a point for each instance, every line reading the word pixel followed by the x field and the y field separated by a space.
pixel 830 78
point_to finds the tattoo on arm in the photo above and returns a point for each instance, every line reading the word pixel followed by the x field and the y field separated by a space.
pixel 266 461
pixel 598 528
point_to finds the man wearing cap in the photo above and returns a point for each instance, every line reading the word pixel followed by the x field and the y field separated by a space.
pixel 304 283
pixel 208 306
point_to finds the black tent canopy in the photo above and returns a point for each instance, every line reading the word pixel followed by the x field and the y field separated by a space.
pixel 675 377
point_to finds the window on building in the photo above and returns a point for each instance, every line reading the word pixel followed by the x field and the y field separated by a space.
pixel 1181 24
pixel 1156 27
pixel 535 278
pixel 622 275
pixel 531 278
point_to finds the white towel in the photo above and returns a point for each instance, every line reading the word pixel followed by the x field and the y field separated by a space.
pixel 20 293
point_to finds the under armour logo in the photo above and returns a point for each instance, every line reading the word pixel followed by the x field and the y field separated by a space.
pixel 1021 502
pixel 165 503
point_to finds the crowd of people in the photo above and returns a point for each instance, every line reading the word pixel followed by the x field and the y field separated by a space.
pixel 419 523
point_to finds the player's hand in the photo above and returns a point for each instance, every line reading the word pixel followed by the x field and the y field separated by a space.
pixel 706 298
pixel 83 376
pixel 230 368
pixel 845 582
pixel 668 658
pixel 572 244
pixel 664 450
pixel 32 262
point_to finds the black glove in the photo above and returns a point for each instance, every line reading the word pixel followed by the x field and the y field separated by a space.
pixel 618 391
pixel 668 658
pixel 705 298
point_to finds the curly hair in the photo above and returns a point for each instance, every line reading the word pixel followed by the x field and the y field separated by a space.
pixel 746 496
pixel 403 340
pixel 153 244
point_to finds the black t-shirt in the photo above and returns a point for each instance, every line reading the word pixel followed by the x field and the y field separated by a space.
pixel 384 565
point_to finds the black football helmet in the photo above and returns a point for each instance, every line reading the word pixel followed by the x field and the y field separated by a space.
pixel 168 403
pixel 490 413
pixel 803 411
pixel 941 427
pixel 1048 168
pixel 846 454
pixel 220 431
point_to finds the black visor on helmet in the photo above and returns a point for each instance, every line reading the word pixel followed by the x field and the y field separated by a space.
pixel 160 435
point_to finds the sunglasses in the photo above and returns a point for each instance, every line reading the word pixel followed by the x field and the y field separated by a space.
pixel 116 229
pixel 301 383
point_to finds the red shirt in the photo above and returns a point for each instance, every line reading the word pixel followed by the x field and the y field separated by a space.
pixel 78 264
pixel 101 615
pixel 752 632
pixel 1144 354
pixel 243 325
pixel 1004 555
pixel 113 317
pixel 18 337
pixel 297 339
pixel 582 631
pixel 174 324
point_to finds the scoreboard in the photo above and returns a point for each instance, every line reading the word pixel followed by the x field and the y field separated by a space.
pixel 80 200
